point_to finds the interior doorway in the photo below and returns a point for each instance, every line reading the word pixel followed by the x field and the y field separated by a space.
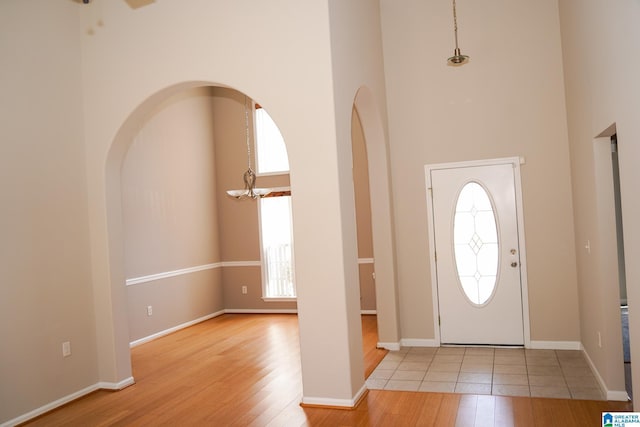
pixel 363 216
pixel 476 221
pixel 622 282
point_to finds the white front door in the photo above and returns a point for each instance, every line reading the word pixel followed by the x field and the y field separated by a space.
pixel 477 254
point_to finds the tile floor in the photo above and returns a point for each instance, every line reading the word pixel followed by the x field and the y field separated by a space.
pixel 478 370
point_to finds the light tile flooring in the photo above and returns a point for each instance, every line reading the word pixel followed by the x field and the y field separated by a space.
pixel 478 370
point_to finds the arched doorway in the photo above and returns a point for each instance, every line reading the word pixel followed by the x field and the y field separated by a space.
pixel 173 230
pixel 112 316
pixel 382 236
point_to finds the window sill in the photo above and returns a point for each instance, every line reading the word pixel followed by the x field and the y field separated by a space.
pixel 279 299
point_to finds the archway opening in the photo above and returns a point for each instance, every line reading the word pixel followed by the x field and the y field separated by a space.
pixel 185 250
pixel 383 268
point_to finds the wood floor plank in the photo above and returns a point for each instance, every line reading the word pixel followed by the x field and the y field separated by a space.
pixel 485 412
pixel 448 410
pixel 467 411
pixel 244 370
pixel 503 414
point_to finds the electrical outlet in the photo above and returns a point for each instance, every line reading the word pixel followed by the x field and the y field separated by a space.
pixel 66 349
pixel 149 310
pixel 244 290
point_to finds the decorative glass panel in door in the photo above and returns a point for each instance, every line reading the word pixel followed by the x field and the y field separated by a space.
pixel 475 239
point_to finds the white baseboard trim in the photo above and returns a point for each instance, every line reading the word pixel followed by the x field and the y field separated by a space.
pixel 620 396
pixel 157 335
pixel 66 399
pixel 418 342
pixel 116 386
pixel 617 395
pixel 261 311
pixel 340 403
pixel 50 406
pixel 174 329
pixel 556 345
pixel 152 337
pixel 391 346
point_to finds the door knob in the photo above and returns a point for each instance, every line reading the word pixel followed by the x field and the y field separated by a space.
pixel 514 264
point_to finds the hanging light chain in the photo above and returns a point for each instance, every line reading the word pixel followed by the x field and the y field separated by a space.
pixel 457 58
pixel 455 23
pixel 249 177
pixel 246 130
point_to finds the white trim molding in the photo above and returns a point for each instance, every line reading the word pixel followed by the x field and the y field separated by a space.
pixel 279 299
pixel 160 334
pixel 50 406
pixel 116 386
pixel 261 311
pixel 621 396
pixel 341 403
pixel 66 399
pixel 368 312
pixel 419 342
pixel 152 337
pixel 555 345
pixel 173 273
pixel 241 264
pixel 189 270
pixel 391 346
pixel 166 274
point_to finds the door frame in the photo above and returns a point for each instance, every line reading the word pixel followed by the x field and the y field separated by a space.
pixel 515 162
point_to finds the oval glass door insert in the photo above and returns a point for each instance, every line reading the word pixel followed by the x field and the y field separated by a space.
pixel 475 240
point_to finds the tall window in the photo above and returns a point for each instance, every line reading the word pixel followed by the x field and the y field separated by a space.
pixel 275 212
pixel 270 149
pixel 277 247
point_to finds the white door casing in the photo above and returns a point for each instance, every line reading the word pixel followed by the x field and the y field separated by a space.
pixel 493 318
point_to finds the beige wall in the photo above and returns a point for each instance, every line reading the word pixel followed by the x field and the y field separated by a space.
pixel 176 214
pixel 238 219
pixel 508 101
pixel 496 106
pixel 295 63
pixel 169 188
pixel 91 76
pixel 45 291
pixel 170 217
pixel 603 90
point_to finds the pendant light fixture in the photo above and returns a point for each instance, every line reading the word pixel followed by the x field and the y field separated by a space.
pixel 249 177
pixel 457 58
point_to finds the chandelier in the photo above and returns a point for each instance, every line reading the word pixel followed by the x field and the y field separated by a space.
pixel 249 177
pixel 457 58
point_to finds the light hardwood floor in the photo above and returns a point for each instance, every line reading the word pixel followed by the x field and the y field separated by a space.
pixel 244 370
